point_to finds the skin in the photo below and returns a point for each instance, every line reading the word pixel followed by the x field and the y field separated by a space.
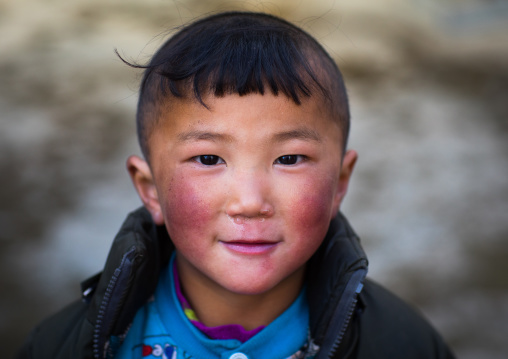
pixel 246 190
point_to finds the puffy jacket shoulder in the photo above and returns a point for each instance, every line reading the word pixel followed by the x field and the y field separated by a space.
pixel 390 328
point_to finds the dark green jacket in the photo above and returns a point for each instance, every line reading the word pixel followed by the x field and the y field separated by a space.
pixel 373 324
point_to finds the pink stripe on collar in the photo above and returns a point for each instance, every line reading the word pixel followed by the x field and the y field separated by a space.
pixel 229 331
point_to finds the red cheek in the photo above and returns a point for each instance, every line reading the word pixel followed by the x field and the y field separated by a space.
pixel 312 208
pixel 186 208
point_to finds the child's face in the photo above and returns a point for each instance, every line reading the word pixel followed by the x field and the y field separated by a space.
pixel 246 188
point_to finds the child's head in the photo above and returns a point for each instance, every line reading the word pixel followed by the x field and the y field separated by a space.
pixel 239 53
pixel 243 120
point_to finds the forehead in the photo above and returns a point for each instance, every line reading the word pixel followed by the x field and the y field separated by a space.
pixel 248 115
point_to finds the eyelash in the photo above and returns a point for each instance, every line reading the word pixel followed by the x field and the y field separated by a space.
pixel 296 158
pixel 213 160
pixel 203 159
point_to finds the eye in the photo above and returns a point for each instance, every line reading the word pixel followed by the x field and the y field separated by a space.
pixel 209 160
pixel 289 160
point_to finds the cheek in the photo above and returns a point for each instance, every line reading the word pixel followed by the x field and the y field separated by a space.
pixel 187 208
pixel 311 206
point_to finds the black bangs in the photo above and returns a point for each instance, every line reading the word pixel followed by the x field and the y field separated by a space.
pixel 238 53
pixel 231 54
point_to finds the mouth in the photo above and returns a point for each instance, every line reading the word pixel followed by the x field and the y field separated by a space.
pixel 254 247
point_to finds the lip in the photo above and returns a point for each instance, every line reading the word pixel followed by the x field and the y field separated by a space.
pixel 254 247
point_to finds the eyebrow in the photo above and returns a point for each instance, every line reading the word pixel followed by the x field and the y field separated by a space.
pixel 204 136
pixel 304 134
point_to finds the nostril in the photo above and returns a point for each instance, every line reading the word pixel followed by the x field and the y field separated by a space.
pixel 266 211
pixel 237 211
pixel 244 219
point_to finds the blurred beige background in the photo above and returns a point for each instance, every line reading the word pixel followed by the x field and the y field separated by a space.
pixel 428 82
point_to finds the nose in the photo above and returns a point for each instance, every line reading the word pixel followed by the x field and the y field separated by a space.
pixel 249 195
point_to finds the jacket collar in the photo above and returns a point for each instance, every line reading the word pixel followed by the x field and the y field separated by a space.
pixel 335 277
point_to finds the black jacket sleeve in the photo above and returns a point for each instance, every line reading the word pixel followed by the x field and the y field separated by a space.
pixel 390 328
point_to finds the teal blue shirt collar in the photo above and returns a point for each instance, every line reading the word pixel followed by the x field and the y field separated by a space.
pixel 280 339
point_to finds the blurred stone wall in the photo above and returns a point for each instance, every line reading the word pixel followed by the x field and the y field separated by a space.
pixel 428 82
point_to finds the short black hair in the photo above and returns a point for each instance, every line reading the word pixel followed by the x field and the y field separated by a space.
pixel 239 53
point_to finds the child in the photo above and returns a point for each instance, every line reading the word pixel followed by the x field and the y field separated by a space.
pixel 239 251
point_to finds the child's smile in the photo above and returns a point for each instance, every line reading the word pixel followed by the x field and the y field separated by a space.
pixel 246 188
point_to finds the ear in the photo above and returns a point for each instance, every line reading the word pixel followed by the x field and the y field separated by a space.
pixel 346 170
pixel 142 177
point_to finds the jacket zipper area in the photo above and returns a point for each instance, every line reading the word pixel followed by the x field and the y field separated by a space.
pixel 100 338
pixel 342 315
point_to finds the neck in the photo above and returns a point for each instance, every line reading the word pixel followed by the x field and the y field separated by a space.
pixel 217 306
